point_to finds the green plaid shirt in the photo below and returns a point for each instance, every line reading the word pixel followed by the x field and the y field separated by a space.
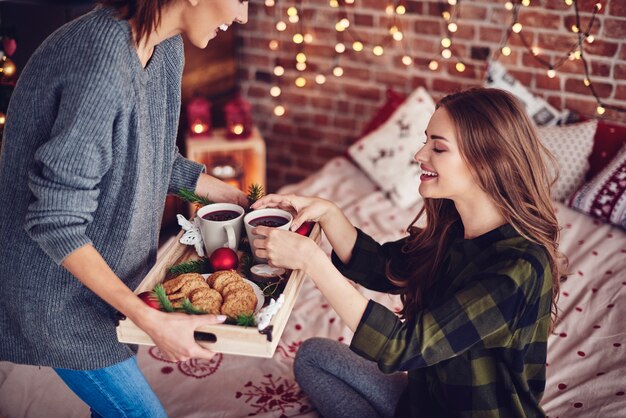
pixel 479 348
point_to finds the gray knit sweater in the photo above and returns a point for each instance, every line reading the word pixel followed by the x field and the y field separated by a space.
pixel 88 156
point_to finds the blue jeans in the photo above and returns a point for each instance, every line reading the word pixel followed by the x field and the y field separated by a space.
pixel 120 390
pixel 342 384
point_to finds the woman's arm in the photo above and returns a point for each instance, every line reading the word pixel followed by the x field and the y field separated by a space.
pixel 171 332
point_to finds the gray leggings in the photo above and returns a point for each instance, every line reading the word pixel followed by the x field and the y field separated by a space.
pixel 342 384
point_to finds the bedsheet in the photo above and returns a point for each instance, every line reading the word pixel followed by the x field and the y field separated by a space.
pixel 586 373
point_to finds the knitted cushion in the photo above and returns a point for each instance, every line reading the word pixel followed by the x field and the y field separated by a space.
pixel 386 154
pixel 604 197
pixel 571 145
pixel 608 141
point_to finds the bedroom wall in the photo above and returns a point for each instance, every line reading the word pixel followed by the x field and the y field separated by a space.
pixel 320 122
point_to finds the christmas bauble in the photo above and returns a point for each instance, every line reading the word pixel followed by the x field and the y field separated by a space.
pixel 150 299
pixel 305 228
pixel 224 259
pixel 9 45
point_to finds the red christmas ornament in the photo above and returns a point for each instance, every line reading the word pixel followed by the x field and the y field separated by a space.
pixel 305 228
pixel 150 299
pixel 224 259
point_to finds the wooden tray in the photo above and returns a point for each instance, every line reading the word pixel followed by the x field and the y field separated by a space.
pixel 222 338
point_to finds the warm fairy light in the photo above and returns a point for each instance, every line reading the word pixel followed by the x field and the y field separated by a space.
pixel 275 91
pixel 349 1
pixel 393 29
pixel 320 79
pixel 446 53
pixel 575 29
pixel 333 3
pixel 586 82
pixel 445 15
pixel 508 5
pixel 517 27
pixel 406 60
pixel 460 67
pixel 551 73
pixel 279 110
pixel 345 23
pixel 569 2
pixel 378 50
pixel 294 19
pixel 300 82
pixel 340 48
pixel 452 2
pixel 526 3
pixel 292 11
pixel 273 44
pixel 279 71
pixel 300 57
pixel 308 38
pixel 433 65
pixel 590 39
pixel 3 119
pixel 269 3
pixel 281 26
pixel 238 129
pixel 506 51
pixel 400 10
pixel 298 38
pixel 300 66
pixel 600 110
pixel 8 68
pixel 398 36
pixel 535 50
pixel 357 46
pixel 339 27
pixel 197 128
pixel 446 42
pixel 452 27
pixel 577 54
pixel 598 6
pixel 389 9
pixel 337 71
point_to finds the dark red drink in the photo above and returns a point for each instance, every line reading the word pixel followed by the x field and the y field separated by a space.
pixel 271 221
pixel 221 215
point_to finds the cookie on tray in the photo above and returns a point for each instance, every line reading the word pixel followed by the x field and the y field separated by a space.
pixel 174 285
pixel 225 279
pixel 238 304
pixel 235 287
pixel 205 294
pixel 213 277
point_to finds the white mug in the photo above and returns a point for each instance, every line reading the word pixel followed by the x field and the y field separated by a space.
pixel 221 231
pixel 256 215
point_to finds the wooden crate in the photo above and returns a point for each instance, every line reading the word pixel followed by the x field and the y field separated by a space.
pixel 221 338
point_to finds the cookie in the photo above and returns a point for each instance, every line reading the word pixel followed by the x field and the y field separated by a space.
pixel 225 279
pixel 235 287
pixel 238 304
pixel 174 285
pixel 213 277
pixel 210 306
pixel 203 294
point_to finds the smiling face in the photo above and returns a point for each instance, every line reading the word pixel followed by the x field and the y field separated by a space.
pixel 203 19
pixel 444 172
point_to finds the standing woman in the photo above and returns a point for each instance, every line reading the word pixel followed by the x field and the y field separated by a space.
pixel 88 158
pixel 478 282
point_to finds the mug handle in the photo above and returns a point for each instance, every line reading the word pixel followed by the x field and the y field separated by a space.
pixel 232 239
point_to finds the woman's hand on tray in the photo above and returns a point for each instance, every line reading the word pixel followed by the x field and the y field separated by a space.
pixel 173 333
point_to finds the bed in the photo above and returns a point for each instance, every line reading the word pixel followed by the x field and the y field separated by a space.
pixel 586 363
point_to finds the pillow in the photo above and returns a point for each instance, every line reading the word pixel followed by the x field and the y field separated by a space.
pixel 540 111
pixel 604 197
pixel 394 100
pixel 571 145
pixel 386 154
pixel 606 144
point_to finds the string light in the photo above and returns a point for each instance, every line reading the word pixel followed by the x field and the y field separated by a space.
pixel 508 5
pixel 551 73
pixel 600 110
pixel 300 82
pixel 400 10
pixel 460 67
pixel 281 26
pixel 340 48
pixel 446 53
pixel 300 66
pixel 586 82
pixel 389 9
pixel 452 2
pixel 446 15
pixel 452 27
pixel 517 27
pixel 446 42
pixel 506 51
pixel 292 11
pixel 269 3
pixel 433 65
pixel 273 45
pixel 398 36
pixel 569 2
pixel 339 27
pixel 406 60
pixel 575 29
pixel 279 110
pixel 357 46
pixel 298 38
pixel 301 57
pixel 294 19
pixel 320 79
pixel 279 71
pixel 275 91
pixel 590 39
pixel 333 3
pixel 378 50
pixel 526 3
pixel 337 71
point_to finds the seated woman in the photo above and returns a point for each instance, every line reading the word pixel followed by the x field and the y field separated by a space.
pixel 478 282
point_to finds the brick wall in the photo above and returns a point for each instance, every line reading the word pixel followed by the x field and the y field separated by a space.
pixel 321 121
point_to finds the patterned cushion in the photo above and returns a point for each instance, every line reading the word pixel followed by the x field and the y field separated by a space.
pixel 386 154
pixel 606 144
pixel 604 197
pixel 571 145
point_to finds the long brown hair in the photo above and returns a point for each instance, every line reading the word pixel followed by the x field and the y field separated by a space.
pixel 496 136
pixel 146 14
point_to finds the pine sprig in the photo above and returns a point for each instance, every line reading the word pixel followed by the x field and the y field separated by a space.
pixel 192 197
pixel 165 303
pixel 245 263
pixel 190 309
pixel 200 265
pixel 255 192
pixel 245 320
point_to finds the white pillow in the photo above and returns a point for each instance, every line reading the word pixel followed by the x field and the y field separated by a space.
pixel 386 154
pixel 571 145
